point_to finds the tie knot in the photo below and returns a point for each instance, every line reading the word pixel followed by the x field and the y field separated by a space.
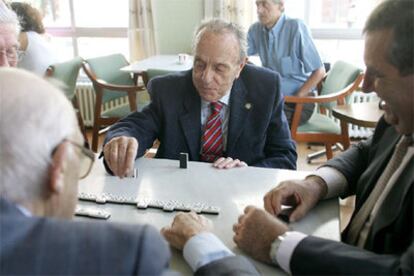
pixel 216 107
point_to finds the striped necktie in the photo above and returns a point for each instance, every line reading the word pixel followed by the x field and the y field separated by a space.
pixel 358 222
pixel 213 136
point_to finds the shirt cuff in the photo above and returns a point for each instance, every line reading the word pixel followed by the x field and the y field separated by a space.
pixel 204 248
pixel 335 180
pixel 286 248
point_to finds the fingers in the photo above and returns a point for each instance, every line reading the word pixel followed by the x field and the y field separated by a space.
pixel 301 209
pixel 273 201
pixel 281 195
pixel 228 163
pixel 120 153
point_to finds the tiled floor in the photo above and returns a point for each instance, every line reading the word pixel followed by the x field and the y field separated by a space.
pixel 346 206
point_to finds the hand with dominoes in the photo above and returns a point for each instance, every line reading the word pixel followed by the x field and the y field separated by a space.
pixel 120 153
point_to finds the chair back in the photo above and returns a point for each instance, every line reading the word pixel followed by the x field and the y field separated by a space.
pixel 340 76
pixel 67 74
pixel 152 73
pixel 107 69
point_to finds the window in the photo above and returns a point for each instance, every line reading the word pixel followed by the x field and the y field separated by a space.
pixel 87 28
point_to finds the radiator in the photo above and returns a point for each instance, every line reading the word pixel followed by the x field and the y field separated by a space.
pixel 86 98
pixel 357 132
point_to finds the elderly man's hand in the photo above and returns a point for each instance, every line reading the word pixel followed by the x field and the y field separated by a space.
pixel 228 163
pixel 302 194
pixel 185 226
pixel 255 232
pixel 119 154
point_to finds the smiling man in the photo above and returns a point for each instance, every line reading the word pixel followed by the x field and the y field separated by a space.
pixel 222 111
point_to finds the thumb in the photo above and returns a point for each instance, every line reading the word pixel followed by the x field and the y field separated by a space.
pixel 300 210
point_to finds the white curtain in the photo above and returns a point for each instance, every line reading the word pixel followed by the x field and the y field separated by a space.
pixel 242 12
pixel 141 30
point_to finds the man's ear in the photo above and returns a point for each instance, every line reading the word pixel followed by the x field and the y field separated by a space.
pixel 57 169
pixel 241 66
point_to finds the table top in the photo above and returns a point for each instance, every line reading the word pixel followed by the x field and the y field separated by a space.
pixel 230 190
pixel 361 114
pixel 160 62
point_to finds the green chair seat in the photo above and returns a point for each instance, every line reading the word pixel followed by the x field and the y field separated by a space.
pixel 320 123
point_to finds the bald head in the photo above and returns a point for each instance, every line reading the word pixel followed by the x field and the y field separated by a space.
pixel 35 117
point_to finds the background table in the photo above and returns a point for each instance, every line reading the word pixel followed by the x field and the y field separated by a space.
pixel 361 114
pixel 231 190
pixel 159 62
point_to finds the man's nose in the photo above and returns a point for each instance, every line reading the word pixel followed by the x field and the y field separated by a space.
pixel 207 75
pixel 368 84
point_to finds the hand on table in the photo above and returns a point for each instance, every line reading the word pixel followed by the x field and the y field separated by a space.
pixel 119 154
pixel 228 163
pixel 301 194
pixel 185 226
pixel 255 232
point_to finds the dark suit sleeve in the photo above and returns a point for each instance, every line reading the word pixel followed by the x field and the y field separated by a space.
pixel 280 150
pixel 353 162
pixel 143 126
pixel 320 256
pixel 234 265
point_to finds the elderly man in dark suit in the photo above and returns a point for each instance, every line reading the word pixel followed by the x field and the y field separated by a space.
pixel 380 172
pixel 221 111
pixel 41 159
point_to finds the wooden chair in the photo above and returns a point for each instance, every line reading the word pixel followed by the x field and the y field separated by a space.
pixel 66 74
pixel 340 82
pixel 110 84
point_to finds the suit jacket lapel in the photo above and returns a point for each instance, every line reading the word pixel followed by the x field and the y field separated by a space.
pixel 190 120
pixel 395 198
pixel 377 166
pixel 239 110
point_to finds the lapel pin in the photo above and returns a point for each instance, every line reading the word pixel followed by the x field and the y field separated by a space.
pixel 248 106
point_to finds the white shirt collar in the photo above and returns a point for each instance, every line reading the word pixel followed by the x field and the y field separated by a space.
pixel 24 210
pixel 224 100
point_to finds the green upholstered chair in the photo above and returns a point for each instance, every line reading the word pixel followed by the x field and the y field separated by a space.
pixel 65 75
pixel 334 89
pixel 110 84
pixel 151 73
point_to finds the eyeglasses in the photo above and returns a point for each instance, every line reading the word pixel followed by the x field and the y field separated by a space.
pixel 13 54
pixel 86 161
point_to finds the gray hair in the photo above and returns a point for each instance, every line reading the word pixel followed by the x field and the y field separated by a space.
pixel 35 117
pixel 282 4
pixel 9 17
pixel 397 16
pixel 220 26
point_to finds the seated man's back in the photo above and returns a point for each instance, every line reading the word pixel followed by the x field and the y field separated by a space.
pixel 45 246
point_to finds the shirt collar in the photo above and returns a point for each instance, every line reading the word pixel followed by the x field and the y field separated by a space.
pixel 224 100
pixel 278 26
pixel 24 210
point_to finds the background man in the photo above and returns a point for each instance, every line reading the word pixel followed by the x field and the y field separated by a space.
pixel 285 45
pixel 9 30
pixel 380 171
pixel 41 160
pixel 247 121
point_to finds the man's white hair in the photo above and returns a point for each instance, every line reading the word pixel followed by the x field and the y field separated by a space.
pixel 8 17
pixel 35 117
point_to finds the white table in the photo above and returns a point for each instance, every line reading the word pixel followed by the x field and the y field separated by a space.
pixel 231 190
pixel 160 62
